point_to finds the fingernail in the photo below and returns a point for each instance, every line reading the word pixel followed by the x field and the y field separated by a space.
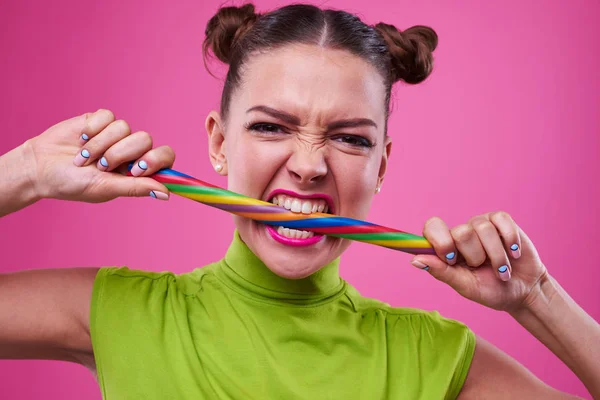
pixel 139 168
pixel 155 194
pixel 419 264
pixel 516 252
pixel 81 158
pixel 103 164
pixel 85 137
pixel 450 257
pixel 504 273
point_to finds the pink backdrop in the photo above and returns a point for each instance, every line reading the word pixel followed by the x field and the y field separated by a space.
pixel 509 120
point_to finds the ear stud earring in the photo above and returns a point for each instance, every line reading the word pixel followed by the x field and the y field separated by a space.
pixel 218 167
pixel 377 189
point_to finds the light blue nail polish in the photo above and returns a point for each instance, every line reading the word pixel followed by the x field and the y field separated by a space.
pixel 514 247
pixel 426 269
pixel 85 153
pixel 450 256
pixel 152 194
pixel 85 137
pixel 503 269
pixel 104 162
pixel 143 165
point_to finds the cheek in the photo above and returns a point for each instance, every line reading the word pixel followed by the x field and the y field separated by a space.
pixel 356 181
pixel 252 165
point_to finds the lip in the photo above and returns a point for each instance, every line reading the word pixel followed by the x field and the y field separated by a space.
pixel 323 196
pixel 293 242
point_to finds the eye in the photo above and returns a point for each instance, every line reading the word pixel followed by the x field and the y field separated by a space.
pixel 263 127
pixel 354 140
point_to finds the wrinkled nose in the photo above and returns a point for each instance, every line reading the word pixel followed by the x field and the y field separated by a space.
pixel 307 166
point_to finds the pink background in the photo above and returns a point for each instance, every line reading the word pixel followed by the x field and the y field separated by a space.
pixel 509 120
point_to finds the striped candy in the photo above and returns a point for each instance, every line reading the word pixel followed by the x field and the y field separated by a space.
pixel 271 214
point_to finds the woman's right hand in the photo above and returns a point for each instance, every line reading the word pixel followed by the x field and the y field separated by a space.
pixel 86 158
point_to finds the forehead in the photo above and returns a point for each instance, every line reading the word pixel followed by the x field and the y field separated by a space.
pixel 313 81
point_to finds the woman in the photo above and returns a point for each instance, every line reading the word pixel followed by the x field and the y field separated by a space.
pixel 302 124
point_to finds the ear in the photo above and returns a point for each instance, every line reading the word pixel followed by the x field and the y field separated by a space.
pixel 216 141
pixel 384 159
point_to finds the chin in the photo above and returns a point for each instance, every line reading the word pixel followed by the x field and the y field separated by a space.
pixel 290 259
pixel 290 272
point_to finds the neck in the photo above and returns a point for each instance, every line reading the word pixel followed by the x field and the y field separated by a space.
pixel 243 267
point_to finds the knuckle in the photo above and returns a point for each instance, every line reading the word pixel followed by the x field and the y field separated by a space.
pixel 431 221
pixel 442 244
pixel 462 233
pixel 170 153
pixel 474 219
pixel 164 155
pixel 507 235
pixel 500 216
pixel 481 224
pixel 477 260
pixel 447 244
pixel 132 191
pixel 121 125
pixel 145 137
pixel 109 114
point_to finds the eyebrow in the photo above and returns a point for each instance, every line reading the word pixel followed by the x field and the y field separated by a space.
pixel 294 120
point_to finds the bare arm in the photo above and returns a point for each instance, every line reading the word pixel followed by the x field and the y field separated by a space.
pixel 18 189
pixel 496 375
pixel 520 284
pixel 561 325
pixel 44 314
pixel 554 318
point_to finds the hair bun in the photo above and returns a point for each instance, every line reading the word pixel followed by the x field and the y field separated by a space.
pixel 410 50
pixel 225 29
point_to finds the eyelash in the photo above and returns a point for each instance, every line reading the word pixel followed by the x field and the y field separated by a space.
pixel 352 140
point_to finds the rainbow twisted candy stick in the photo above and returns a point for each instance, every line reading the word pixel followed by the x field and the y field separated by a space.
pixel 271 214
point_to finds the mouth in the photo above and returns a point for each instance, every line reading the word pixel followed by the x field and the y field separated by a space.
pixel 300 204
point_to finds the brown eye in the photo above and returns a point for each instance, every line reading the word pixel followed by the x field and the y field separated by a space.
pixel 266 128
pixel 354 140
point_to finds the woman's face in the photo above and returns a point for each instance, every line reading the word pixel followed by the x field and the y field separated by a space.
pixel 306 130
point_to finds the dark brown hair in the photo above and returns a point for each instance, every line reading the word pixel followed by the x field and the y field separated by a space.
pixel 234 33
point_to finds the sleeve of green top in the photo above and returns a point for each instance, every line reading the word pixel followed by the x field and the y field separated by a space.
pixel 128 310
pixel 447 344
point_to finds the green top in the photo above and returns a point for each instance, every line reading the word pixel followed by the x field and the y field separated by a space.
pixel 235 330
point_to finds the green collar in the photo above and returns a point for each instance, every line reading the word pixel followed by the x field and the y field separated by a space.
pixel 243 268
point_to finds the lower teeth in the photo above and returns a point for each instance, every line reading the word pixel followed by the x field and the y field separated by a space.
pixel 294 233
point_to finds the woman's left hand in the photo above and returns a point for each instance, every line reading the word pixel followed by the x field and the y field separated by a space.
pixel 478 259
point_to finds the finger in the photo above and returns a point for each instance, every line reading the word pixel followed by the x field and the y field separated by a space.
pixel 128 148
pixel 154 160
pixel 97 145
pixel 468 244
pixel 95 123
pixel 509 231
pixel 490 239
pixel 459 278
pixel 72 126
pixel 437 233
pixel 130 186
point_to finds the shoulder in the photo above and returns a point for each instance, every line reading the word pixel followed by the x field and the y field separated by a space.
pixel 430 322
pixel 441 346
pixel 133 281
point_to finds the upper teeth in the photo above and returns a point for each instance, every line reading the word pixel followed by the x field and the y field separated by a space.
pixel 305 206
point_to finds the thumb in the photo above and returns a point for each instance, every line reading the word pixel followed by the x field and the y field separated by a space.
pixel 459 278
pixel 130 186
